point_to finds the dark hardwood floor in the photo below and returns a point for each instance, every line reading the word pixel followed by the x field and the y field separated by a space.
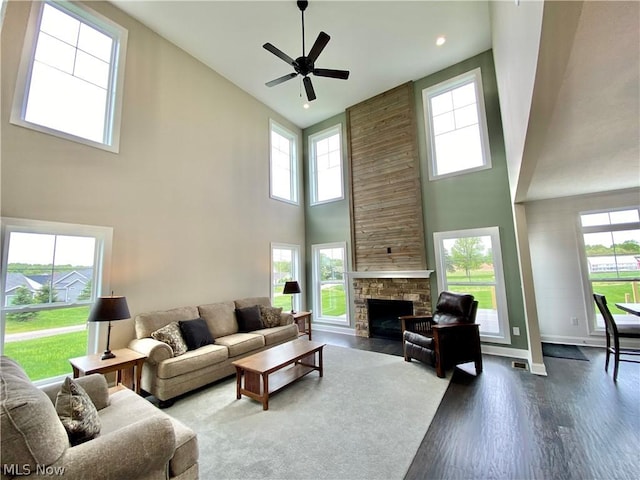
pixel 576 423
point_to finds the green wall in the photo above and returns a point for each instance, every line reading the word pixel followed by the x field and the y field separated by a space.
pixel 473 200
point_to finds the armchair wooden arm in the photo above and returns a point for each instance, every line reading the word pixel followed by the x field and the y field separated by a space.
pixel 421 324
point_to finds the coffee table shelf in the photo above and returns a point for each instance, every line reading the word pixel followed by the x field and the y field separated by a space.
pixel 268 371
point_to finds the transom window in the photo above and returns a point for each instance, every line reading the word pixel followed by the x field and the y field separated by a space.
pixel 456 126
pixel 284 184
pixel 326 165
pixel 611 242
pixel 71 74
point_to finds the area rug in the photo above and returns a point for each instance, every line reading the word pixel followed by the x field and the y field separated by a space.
pixel 365 419
pixel 563 351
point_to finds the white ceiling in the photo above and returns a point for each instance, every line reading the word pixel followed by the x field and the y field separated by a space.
pixel 382 43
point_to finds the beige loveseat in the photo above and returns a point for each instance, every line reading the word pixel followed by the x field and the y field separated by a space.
pixel 136 440
pixel 166 376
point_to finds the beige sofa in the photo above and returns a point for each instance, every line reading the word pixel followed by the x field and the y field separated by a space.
pixel 166 376
pixel 136 440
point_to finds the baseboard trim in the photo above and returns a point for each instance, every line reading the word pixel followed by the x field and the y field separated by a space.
pixel 333 329
pixel 534 368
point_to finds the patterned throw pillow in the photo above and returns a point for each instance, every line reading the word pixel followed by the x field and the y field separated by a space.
pixel 270 316
pixel 171 335
pixel 77 413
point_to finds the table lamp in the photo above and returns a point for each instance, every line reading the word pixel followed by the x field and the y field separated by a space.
pixel 108 309
pixel 289 289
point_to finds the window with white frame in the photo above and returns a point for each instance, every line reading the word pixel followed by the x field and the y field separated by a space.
pixel 470 261
pixel 455 119
pixel 284 179
pixel 325 153
pixel 329 283
pixel 285 267
pixel 611 242
pixel 71 74
pixel 52 273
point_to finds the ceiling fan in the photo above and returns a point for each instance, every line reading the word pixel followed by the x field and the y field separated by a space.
pixel 305 64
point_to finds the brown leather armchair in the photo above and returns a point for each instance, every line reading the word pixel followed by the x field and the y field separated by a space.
pixel 447 338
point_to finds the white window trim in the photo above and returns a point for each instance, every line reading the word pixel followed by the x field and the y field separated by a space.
pixel 295 260
pixel 592 323
pixel 114 109
pixel 101 274
pixel 276 127
pixel 501 296
pixel 313 191
pixel 317 296
pixel 427 93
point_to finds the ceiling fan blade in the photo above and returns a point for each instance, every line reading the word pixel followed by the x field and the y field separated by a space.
pixel 281 79
pixel 327 72
pixel 317 48
pixel 278 53
pixel 308 87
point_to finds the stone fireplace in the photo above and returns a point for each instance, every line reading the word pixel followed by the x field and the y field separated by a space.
pixel 411 286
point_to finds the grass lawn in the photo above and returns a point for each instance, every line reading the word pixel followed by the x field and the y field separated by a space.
pixel 62 317
pixel 48 356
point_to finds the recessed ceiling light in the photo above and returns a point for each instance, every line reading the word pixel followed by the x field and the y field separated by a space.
pixel 305 105
pixel 440 40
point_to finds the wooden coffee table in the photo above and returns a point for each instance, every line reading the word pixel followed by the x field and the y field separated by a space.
pixel 268 371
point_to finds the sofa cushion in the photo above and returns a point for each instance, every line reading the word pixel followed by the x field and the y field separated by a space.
pixel 172 336
pixel 249 319
pixel 196 333
pixel 241 343
pixel 77 412
pixel 270 316
pixel 26 412
pixel 220 317
pixel 251 301
pixel 192 360
pixel 146 323
pixel 277 335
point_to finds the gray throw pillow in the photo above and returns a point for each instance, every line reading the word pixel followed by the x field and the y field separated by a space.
pixel 77 413
pixel 270 316
pixel 172 336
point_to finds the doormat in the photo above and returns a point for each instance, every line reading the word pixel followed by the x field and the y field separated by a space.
pixel 563 351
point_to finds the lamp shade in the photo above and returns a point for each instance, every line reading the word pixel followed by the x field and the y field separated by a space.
pixel 291 287
pixel 107 309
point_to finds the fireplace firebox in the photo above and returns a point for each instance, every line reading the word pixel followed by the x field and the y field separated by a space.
pixel 383 317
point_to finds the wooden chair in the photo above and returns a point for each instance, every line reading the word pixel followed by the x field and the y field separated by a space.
pixel 615 332
pixel 447 338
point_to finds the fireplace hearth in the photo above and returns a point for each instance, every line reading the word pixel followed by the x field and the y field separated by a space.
pixel 383 317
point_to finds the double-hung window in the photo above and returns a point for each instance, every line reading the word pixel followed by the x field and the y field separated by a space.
pixel 455 120
pixel 330 283
pixel 470 261
pixel 71 74
pixel 611 241
pixel 325 153
pixel 285 267
pixel 52 274
pixel 283 171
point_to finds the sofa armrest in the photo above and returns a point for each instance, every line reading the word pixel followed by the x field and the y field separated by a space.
pixel 130 452
pixel 286 319
pixel 155 350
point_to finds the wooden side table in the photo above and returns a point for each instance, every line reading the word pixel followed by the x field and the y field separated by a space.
pixel 127 364
pixel 303 320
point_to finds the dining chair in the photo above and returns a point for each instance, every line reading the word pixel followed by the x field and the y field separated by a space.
pixel 615 332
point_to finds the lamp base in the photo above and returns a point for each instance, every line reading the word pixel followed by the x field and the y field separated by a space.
pixel 107 355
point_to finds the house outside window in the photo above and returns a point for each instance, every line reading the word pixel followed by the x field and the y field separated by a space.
pixel 51 273
pixel 285 267
pixel 455 119
pixel 283 171
pixel 611 260
pixel 470 261
pixel 325 153
pixel 71 75
pixel 329 283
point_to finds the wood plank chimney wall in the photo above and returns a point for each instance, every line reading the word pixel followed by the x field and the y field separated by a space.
pixel 386 201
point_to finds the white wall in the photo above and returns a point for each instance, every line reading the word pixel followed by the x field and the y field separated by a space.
pixel 554 232
pixel 188 194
